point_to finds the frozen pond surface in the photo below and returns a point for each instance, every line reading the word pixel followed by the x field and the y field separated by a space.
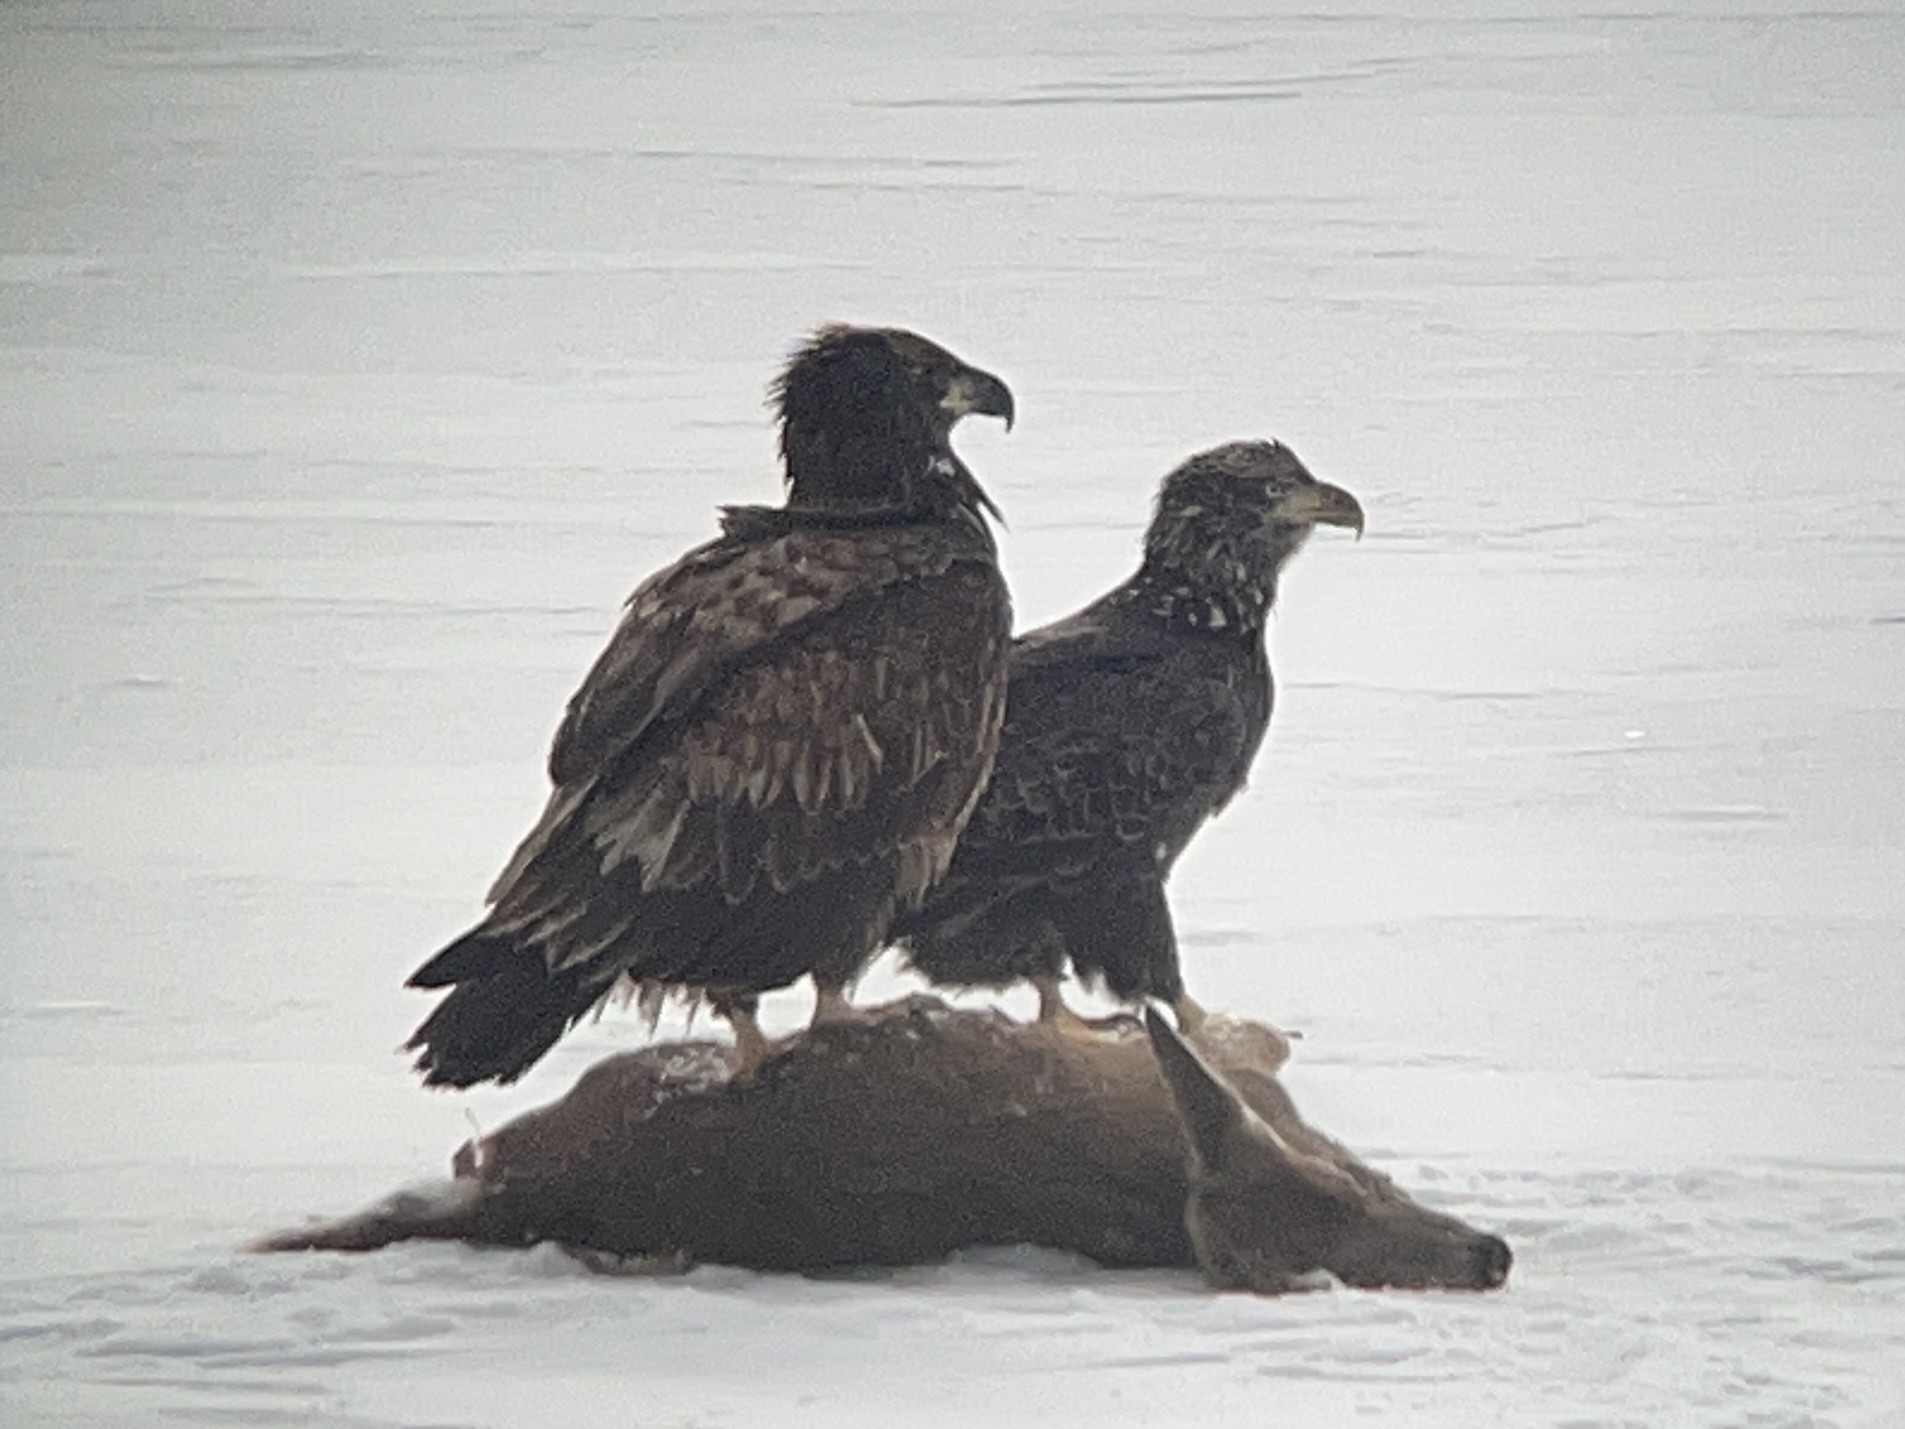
pixel 356 359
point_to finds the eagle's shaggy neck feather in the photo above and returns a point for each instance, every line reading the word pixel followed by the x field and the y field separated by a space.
pixel 1201 570
pixel 857 460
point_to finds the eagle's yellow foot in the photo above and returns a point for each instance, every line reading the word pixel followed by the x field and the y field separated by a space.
pixel 1190 1014
pixel 750 1044
pixel 1053 1012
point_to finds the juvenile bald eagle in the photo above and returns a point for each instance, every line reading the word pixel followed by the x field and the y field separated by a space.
pixel 782 741
pixel 1127 726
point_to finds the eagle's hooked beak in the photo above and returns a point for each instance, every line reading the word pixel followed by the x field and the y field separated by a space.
pixel 976 391
pixel 1320 504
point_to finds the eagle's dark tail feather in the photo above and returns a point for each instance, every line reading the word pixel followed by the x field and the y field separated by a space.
pixel 471 956
pixel 501 1016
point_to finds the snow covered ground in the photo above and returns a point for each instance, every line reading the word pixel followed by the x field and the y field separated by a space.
pixel 357 357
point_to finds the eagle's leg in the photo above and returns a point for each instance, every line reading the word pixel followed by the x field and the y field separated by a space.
pixel 1189 1012
pixel 831 1004
pixel 1052 1010
pixel 750 1043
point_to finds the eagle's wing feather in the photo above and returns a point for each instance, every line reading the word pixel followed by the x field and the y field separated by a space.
pixel 1119 741
pixel 1106 747
pixel 718 606
pixel 769 743
pixel 817 757
pixel 689 628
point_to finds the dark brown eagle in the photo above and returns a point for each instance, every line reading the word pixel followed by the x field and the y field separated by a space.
pixel 782 741
pixel 1127 726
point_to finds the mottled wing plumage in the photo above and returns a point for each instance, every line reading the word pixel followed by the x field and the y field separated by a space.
pixel 1111 742
pixel 838 749
pixel 723 604
pixel 726 606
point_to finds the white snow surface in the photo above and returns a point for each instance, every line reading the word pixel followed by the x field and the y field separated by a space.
pixel 357 358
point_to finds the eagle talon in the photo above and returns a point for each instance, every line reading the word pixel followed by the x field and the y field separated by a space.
pixel 1053 1013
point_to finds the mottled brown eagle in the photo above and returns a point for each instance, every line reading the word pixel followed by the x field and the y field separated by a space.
pixel 1127 725
pixel 782 741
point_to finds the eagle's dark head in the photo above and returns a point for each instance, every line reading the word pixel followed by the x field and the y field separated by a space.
pixel 1226 521
pixel 866 415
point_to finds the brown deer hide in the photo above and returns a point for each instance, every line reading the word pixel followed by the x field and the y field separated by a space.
pixel 923 1130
